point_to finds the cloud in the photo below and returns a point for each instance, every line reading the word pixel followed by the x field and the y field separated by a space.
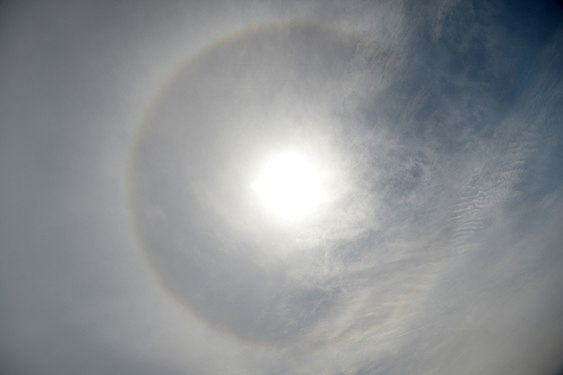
pixel 131 243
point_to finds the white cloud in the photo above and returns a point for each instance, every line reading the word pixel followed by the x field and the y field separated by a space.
pixel 440 254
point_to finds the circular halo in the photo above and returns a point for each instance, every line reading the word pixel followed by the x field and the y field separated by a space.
pixel 226 268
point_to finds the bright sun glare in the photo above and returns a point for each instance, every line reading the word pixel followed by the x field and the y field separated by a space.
pixel 290 186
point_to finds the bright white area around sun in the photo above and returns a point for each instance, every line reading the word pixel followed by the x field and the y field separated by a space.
pixel 291 186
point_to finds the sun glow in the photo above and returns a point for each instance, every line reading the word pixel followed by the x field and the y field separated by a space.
pixel 290 186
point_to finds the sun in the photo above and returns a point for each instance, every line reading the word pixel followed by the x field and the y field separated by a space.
pixel 290 186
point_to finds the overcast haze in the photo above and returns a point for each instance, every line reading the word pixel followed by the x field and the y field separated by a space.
pixel 131 240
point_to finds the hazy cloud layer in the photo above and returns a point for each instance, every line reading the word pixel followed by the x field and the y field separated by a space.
pixel 131 242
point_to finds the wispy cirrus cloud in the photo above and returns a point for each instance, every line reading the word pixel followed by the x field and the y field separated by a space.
pixel 130 244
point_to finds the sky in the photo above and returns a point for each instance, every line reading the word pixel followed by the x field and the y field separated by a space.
pixel 132 241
